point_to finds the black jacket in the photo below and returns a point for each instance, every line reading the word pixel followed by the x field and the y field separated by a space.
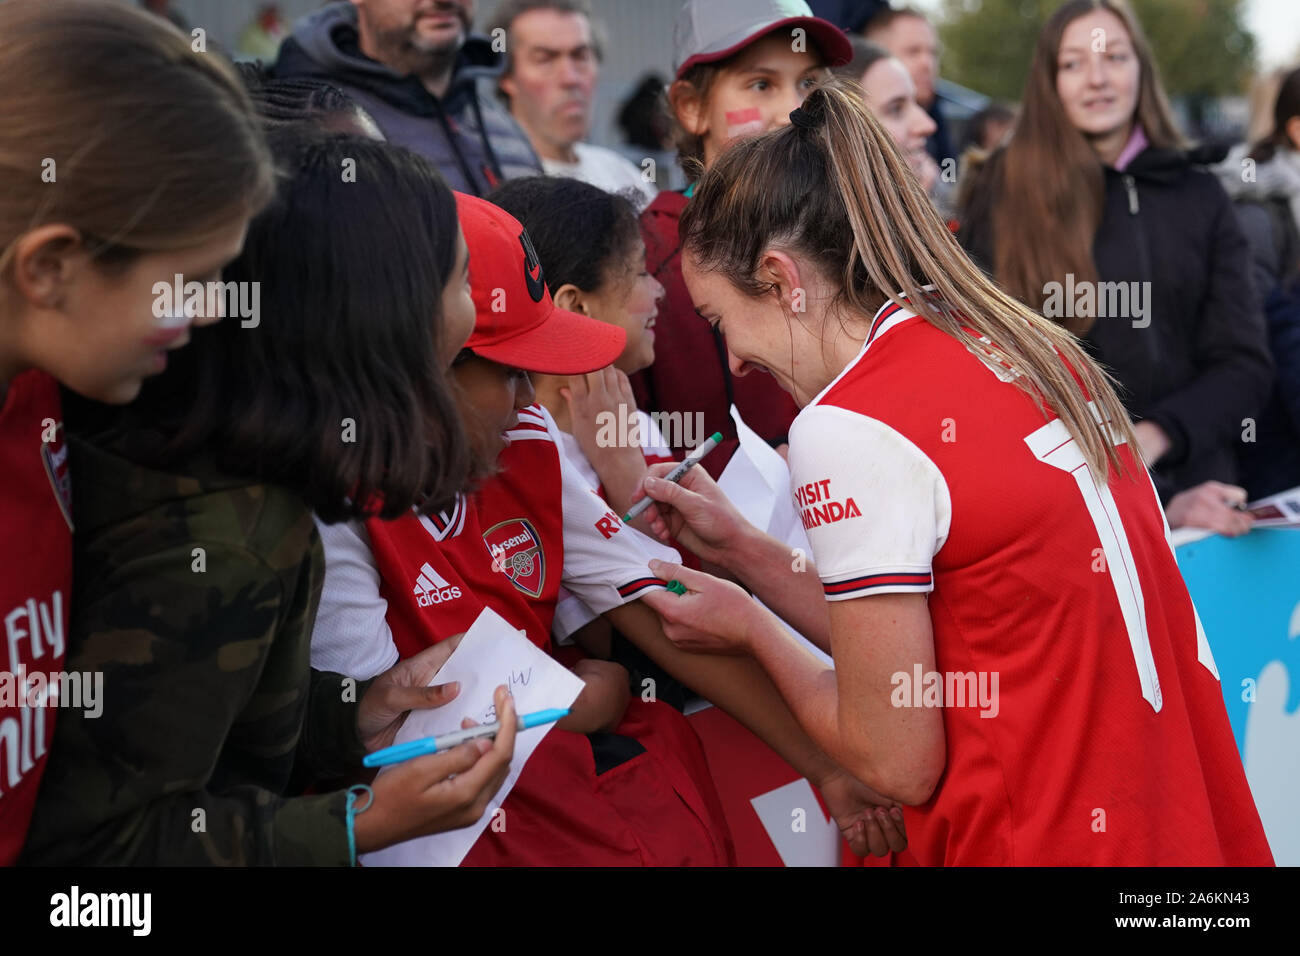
pixel 474 143
pixel 1271 463
pixel 1197 364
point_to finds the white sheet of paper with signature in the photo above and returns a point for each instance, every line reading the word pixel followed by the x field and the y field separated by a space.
pixel 491 653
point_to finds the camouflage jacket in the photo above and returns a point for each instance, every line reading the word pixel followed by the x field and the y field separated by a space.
pixel 195 597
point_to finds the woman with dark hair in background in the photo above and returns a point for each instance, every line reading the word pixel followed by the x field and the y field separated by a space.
pixel 199 566
pixel 890 94
pixel 1095 214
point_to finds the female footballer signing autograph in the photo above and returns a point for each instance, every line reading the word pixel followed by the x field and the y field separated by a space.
pixel 969 484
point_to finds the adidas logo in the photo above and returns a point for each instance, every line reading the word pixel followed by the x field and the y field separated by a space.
pixel 431 588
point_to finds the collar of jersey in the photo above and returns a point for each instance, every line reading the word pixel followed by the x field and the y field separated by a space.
pixel 450 523
pixel 887 316
pixel 446 524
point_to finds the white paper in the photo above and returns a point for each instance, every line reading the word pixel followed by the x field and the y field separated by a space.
pixel 490 654
pixel 757 481
pixel 816 844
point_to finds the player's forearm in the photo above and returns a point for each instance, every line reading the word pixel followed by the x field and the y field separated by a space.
pixel 785 580
pixel 897 751
pixel 806 685
pixel 736 684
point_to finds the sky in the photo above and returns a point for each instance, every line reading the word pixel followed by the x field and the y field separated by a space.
pixel 1275 23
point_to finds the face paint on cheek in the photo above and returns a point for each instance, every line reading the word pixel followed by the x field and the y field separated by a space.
pixel 747 122
pixel 171 320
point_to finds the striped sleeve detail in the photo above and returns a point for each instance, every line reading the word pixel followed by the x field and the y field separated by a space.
pixel 881 582
pixel 633 588
pixel 532 424
pixel 524 426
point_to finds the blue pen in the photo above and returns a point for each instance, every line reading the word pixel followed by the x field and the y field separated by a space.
pixel 432 745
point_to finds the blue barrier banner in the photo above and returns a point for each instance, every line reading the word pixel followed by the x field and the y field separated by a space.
pixel 1247 591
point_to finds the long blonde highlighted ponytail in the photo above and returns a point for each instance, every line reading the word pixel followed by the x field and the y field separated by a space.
pixel 835 188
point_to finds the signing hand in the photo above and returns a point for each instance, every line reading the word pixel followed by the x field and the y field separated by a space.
pixel 696 512
pixel 439 792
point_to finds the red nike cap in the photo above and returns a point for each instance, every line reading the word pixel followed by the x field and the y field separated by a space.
pixel 516 323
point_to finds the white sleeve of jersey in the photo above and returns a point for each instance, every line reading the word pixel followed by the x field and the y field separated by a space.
pixel 606 564
pixel 653 443
pixel 875 507
pixel 571 450
pixel 351 634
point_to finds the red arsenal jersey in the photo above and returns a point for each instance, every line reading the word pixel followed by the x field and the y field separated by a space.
pixel 35 582
pixel 1082 711
pixel 510 544
pixel 638 796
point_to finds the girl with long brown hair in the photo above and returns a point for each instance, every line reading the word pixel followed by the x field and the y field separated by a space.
pixel 1096 214
pixel 107 182
pixel 1015 652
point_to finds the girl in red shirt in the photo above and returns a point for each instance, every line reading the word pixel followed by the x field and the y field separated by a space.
pixel 103 197
pixel 724 90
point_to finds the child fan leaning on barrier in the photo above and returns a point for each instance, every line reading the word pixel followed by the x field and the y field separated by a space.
pixel 568 534
pixel 590 248
pixel 741 67
pixel 591 251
